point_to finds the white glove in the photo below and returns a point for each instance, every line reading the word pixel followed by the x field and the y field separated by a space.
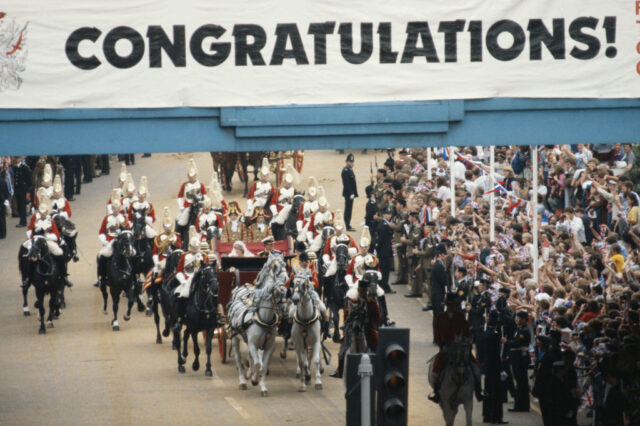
pixel 148 219
pixel 349 280
pixel 274 210
pixel 103 239
pixel 249 205
pixel 299 225
pixel 352 196
pixel 156 259
pixel 326 259
pixel 181 203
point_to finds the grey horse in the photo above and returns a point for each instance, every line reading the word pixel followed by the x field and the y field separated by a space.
pixel 456 380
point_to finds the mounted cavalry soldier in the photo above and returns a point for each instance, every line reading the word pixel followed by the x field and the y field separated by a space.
pixel 447 325
pixel 259 229
pixel 46 188
pixel 190 191
pixel 307 209
pixel 59 203
pixel 234 229
pixel 340 237
pixel 319 220
pixel 165 243
pixel 261 191
pixel 282 201
pixel 122 181
pixel 189 264
pixel 208 218
pixel 112 224
pixel 42 225
pixel 128 194
pixel 357 265
pixel 141 204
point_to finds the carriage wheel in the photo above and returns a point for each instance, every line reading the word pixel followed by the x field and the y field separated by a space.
pixel 222 343
pixel 298 160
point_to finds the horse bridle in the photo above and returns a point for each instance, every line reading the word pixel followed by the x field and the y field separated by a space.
pixel 208 292
pixel 275 307
pixel 42 258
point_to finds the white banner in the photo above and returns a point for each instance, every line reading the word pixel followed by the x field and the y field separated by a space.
pixel 210 53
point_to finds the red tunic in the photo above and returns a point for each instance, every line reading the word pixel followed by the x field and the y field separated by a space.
pixel 252 190
pixel 312 225
pixel 103 228
pixel 314 279
pixel 445 329
pixel 180 268
pixel 328 247
pixel 32 226
pixel 203 192
pixel 150 212
pixel 176 245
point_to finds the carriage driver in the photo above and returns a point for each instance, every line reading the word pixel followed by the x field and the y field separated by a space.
pixel 141 204
pixel 261 190
pixel 189 264
pixel 446 327
pixel 190 191
pixel 59 204
pixel 340 237
pixel 41 224
pixel 164 243
pixel 112 224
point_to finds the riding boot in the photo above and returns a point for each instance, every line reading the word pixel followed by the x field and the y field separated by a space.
pixel 384 312
pixel 338 373
pixel 63 271
pixel 102 271
pixel 477 383
pixel 435 396
pixel 181 305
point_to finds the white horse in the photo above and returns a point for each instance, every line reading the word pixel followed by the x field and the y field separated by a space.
pixel 456 380
pixel 306 330
pixel 255 314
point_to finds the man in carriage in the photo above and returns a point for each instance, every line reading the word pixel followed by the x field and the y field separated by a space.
pixel 190 262
pixel 259 229
pixel 446 326
pixel 340 237
pixel 294 263
pixel 59 204
pixel 112 224
pixel 268 246
pixel 164 243
pixel 261 190
pixel 234 229
pixel 209 218
pixel 307 210
pixel 41 224
pixel 190 191
pixel 141 204
pixel 47 187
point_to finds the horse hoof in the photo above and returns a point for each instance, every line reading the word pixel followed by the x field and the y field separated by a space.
pixel 63 305
pixel 283 355
pixel 264 393
pixel 49 324
pixel 126 317
pixel 195 366
pixel 318 386
pixel 105 312
pixel 56 316
pixel 26 312
pixel 115 328
pixel 141 308
pixel 208 373
pixel 166 332
pixel 42 331
pixel 307 380
pixel 302 389
pixel 37 305
pixel 148 313
pixel 181 369
pixel 254 382
pixel 243 386
pixel 158 341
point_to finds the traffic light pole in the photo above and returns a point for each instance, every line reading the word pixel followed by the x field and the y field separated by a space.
pixel 365 371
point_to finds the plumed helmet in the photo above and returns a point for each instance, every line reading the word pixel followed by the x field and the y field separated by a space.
pixel 192 170
pixel 313 187
pixel 264 169
pixel 166 217
pixel 116 204
pixel 291 175
pixel 122 177
pixel 129 187
pixel 44 204
pixel 370 261
pixel 47 175
pixel 216 199
pixel 194 241
pixel 143 190
pixel 338 221
pixel 206 202
pixel 214 185
pixel 322 200
pixel 365 238
pixel 57 186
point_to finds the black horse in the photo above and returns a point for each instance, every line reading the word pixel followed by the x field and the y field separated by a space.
pixel 201 315
pixel 69 234
pixel 193 215
pixel 43 272
pixel 119 276
pixel 290 228
pixel 143 260
pixel 163 296
pixel 336 288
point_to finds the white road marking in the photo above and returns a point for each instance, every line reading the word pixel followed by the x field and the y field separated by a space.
pixel 233 403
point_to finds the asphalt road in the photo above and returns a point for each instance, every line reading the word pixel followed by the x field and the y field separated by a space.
pixel 81 372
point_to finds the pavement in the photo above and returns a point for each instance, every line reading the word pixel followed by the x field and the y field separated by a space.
pixel 81 372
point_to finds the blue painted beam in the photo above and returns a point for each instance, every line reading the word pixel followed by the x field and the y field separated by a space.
pixel 344 129
pixel 520 104
pixel 104 114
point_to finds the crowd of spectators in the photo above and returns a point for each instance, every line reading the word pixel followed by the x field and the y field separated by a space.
pixel 584 308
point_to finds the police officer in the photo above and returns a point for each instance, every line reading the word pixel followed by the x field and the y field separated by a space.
pixel 412 242
pixel 492 367
pixel 371 214
pixel 22 185
pixel 462 286
pixel 384 251
pixel 439 280
pixel 427 253
pixel 349 190
pixel 477 309
pixel 518 349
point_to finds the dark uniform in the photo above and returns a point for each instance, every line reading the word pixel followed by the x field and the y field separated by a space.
pixel 5 196
pixel 22 184
pixel 384 251
pixel 518 349
pixel 492 366
pixel 349 190
pixel 371 209
pixel 463 289
pixel 543 387
pixel 439 282
pixel 480 305
pixel 399 226
pixel 72 175
pixel 413 259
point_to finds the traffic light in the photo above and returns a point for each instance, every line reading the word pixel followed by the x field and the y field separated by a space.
pixel 392 376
